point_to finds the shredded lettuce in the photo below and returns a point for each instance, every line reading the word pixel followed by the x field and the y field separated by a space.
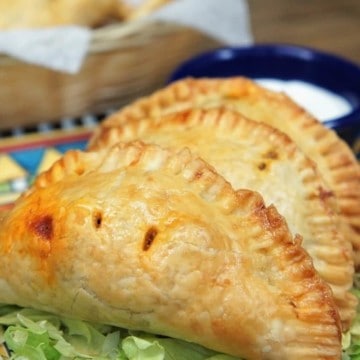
pixel 351 339
pixel 36 335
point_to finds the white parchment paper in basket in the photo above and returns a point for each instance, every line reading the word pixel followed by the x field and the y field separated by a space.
pixel 65 48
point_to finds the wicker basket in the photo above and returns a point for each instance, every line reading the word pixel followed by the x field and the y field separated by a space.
pixel 124 62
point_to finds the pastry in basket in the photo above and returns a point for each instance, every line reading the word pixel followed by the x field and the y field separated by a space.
pixel 151 239
pixel 142 9
pixel 45 13
pixel 333 157
pixel 256 156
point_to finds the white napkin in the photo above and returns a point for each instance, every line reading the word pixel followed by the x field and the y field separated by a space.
pixel 64 48
pixel 60 48
pixel 225 20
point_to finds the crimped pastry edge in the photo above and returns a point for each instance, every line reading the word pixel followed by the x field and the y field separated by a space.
pixel 321 215
pixel 314 303
pixel 334 158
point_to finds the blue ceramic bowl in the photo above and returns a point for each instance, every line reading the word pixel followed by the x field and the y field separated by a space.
pixel 286 62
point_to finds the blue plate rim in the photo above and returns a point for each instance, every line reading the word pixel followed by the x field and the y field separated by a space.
pixel 296 51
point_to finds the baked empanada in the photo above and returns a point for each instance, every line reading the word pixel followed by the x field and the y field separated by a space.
pixel 44 13
pixel 255 156
pixel 144 238
pixel 335 160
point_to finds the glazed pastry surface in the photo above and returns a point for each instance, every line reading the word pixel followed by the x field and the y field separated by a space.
pixel 146 238
pixel 334 159
pixel 255 156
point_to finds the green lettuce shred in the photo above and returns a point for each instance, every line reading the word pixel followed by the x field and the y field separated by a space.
pixel 37 335
pixel 351 339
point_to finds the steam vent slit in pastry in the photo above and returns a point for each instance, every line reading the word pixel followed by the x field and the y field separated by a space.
pixel 258 295
pixel 255 156
pixel 334 158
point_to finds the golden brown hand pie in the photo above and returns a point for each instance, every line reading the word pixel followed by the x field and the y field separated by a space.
pixel 333 157
pixel 256 156
pixel 43 13
pixel 148 239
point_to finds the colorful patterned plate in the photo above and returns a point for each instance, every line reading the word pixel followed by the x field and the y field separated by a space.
pixel 23 157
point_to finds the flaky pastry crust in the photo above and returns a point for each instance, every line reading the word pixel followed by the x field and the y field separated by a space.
pixel 255 156
pixel 334 158
pixel 143 238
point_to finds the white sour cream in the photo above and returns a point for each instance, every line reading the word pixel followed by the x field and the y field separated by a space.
pixel 321 103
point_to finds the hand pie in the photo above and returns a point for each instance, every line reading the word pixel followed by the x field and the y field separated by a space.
pixel 335 160
pixel 44 13
pixel 144 238
pixel 255 156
